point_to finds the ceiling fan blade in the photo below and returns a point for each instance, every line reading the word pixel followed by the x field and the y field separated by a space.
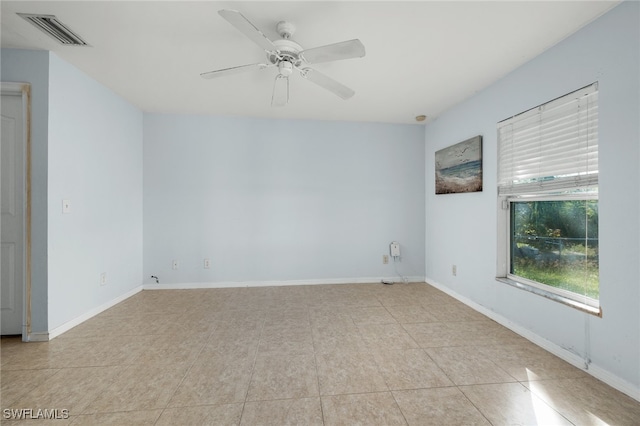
pixel 280 95
pixel 328 83
pixel 334 52
pixel 245 26
pixel 232 70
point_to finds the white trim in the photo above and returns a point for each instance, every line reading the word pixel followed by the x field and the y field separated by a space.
pixel 13 88
pixel 560 295
pixel 23 90
pixel 599 373
pixel 235 284
pixel 615 381
pixel 41 336
pixel 90 314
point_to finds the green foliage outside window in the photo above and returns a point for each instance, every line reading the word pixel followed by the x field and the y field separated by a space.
pixel 556 243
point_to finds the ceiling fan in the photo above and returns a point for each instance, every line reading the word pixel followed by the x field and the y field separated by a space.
pixel 286 55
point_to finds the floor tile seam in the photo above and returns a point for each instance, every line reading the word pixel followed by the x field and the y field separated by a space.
pixel 135 361
pixel 472 358
pixel 30 389
pixel 253 370
pixel 316 395
pixel 315 359
pixel 386 382
pixel 528 390
pixel 502 369
pixel 439 367
pixel 114 334
pixel 244 403
pixel 314 342
pixel 487 383
pixel 452 385
pixel 474 405
pixel 399 408
pixel 106 388
pixel 581 379
pixel 95 366
pixel 412 337
pixel 555 379
pixel 281 354
pixel 447 346
pixel 118 411
pixel 256 401
pixel 125 366
pixel 420 322
pixel 29 369
pixel 329 395
pixel 404 329
pixel 466 356
pixel 292 335
pixel 182 380
pixel 297 325
pixel 72 418
pixel 416 322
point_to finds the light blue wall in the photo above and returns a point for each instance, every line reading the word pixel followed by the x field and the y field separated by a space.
pixel 30 66
pixel 95 160
pixel 280 200
pixel 299 200
pixel 461 229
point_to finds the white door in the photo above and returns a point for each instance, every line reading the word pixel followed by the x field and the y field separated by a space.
pixel 12 227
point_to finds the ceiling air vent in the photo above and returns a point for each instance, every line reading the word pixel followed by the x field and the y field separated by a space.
pixel 51 26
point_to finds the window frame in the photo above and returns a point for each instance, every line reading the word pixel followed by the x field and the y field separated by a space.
pixel 583 187
pixel 582 302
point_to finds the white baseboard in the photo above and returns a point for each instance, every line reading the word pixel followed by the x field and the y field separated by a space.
pixel 44 336
pixel 233 284
pixel 41 336
pixel 573 359
pixel 92 313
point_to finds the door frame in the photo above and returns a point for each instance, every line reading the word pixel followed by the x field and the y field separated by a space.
pixel 24 91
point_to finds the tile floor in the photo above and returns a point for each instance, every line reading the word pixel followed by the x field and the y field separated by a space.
pixel 365 354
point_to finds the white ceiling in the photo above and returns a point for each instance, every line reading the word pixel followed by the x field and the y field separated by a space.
pixel 422 57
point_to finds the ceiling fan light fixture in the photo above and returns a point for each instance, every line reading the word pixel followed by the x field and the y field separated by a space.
pixel 285 68
pixel 288 55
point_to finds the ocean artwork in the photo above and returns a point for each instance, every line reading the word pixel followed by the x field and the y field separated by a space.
pixel 459 167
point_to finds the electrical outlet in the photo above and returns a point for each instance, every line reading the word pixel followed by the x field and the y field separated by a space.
pixel 385 258
pixel 207 264
pixel 454 270
pixel 103 278
pixel 175 264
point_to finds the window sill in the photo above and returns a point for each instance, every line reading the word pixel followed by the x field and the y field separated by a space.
pixel 596 311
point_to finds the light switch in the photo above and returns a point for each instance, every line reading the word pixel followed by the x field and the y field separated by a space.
pixel 66 206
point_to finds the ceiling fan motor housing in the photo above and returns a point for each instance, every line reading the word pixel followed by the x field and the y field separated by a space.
pixel 288 50
pixel 288 56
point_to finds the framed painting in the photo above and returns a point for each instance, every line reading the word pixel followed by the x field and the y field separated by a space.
pixel 459 167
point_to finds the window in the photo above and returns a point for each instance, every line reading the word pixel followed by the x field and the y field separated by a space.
pixel 548 199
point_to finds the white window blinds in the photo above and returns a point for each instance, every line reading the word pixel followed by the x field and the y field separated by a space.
pixel 550 148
